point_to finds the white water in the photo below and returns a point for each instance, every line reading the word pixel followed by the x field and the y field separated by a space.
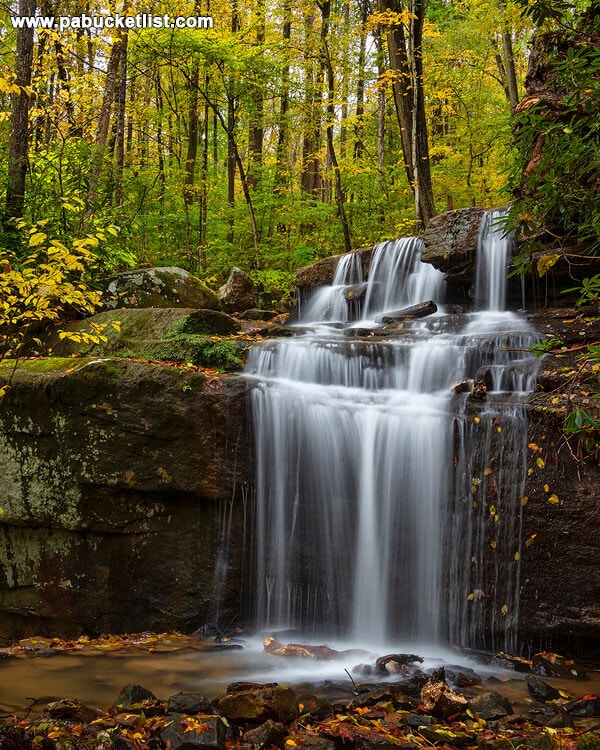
pixel 373 500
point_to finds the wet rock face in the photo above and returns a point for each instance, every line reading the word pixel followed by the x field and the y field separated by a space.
pixel 451 243
pixel 158 287
pixel 114 475
pixel 321 273
pixel 560 563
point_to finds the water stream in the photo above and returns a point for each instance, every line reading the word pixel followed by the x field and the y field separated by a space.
pixel 388 505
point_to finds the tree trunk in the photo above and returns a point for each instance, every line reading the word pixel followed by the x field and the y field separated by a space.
pixel 18 150
pixel 230 129
pixel 120 136
pixel 283 124
pixel 360 84
pixel 406 60
pixel 509 66
pixel 256 127
pixel 311 179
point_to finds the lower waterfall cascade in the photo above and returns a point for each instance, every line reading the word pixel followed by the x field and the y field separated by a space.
pixel 388 496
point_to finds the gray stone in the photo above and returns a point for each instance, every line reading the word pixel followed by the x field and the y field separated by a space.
pixel 266 735
pixel 277 703
pixel 451 243
pixel 189 703
pixel 106 464
pixel 490 705
pixel 186 733
pixel 237 294
pixel 132 694
pixel 158 287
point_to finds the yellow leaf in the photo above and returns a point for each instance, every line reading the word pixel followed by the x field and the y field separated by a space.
pixel 534 447
pixel 546 488
pixel 476 420
pixel 504 610
pixel 36 239
pixel 546 262
pixel 487 472
pixel 524 500
pixel 553 499
pixel 470 597
pixel 540 462
pixel 517 556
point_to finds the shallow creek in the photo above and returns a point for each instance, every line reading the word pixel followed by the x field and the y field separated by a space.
pixel 95 675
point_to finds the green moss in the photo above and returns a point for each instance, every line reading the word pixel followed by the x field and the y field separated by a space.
pixel 46 364
pixel 225 355
pixel 589 741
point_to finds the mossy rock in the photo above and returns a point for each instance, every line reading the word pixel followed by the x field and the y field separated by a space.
pixel 172 334
pixel 158 287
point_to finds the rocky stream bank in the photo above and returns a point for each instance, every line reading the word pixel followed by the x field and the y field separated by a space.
pixel 386 704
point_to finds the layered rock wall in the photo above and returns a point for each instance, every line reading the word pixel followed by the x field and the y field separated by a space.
pixel 115 476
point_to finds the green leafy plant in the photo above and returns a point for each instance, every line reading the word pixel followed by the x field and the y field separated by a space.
pixel 589 291
pixel 47 286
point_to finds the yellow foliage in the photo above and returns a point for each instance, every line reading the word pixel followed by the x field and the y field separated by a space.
pixel 39 289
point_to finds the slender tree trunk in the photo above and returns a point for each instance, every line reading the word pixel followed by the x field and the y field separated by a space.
pixel 339 192
pixel 406 60
pixel 256 126
pixel 159 140
pixel 311 179
pixel 509 66
pixel 190 160
pixel 120 136
pixel 381 106
pixel 283 124
pixel 18 150
pixel 360 84
pixel 345 81
pixel 231 146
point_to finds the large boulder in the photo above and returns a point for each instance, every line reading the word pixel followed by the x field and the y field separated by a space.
pixel 167 286
pixel 237 294
pixel 451 243
pixel 206 338
pixel 114 476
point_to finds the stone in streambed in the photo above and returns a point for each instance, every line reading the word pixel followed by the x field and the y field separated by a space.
pixel 132 694
pixel 490 706
pixel 189 703
pixel 547 664
pixel 269 734
pixel 277 703
pixel 540 690
pixel 187 733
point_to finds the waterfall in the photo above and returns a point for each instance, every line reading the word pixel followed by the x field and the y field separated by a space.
pixel 379 489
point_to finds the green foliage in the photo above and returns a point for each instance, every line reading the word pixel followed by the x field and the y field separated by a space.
pixel 588 290
pixel 556 177
pixel 43 288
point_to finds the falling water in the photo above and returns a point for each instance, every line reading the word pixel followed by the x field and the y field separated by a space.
pixel 378 488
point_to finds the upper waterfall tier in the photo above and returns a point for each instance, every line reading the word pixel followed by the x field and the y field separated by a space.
pixel 396 279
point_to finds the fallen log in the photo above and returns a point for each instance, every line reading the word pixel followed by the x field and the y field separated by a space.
pixel 305 651
pixel 401 660
pixel 411 312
